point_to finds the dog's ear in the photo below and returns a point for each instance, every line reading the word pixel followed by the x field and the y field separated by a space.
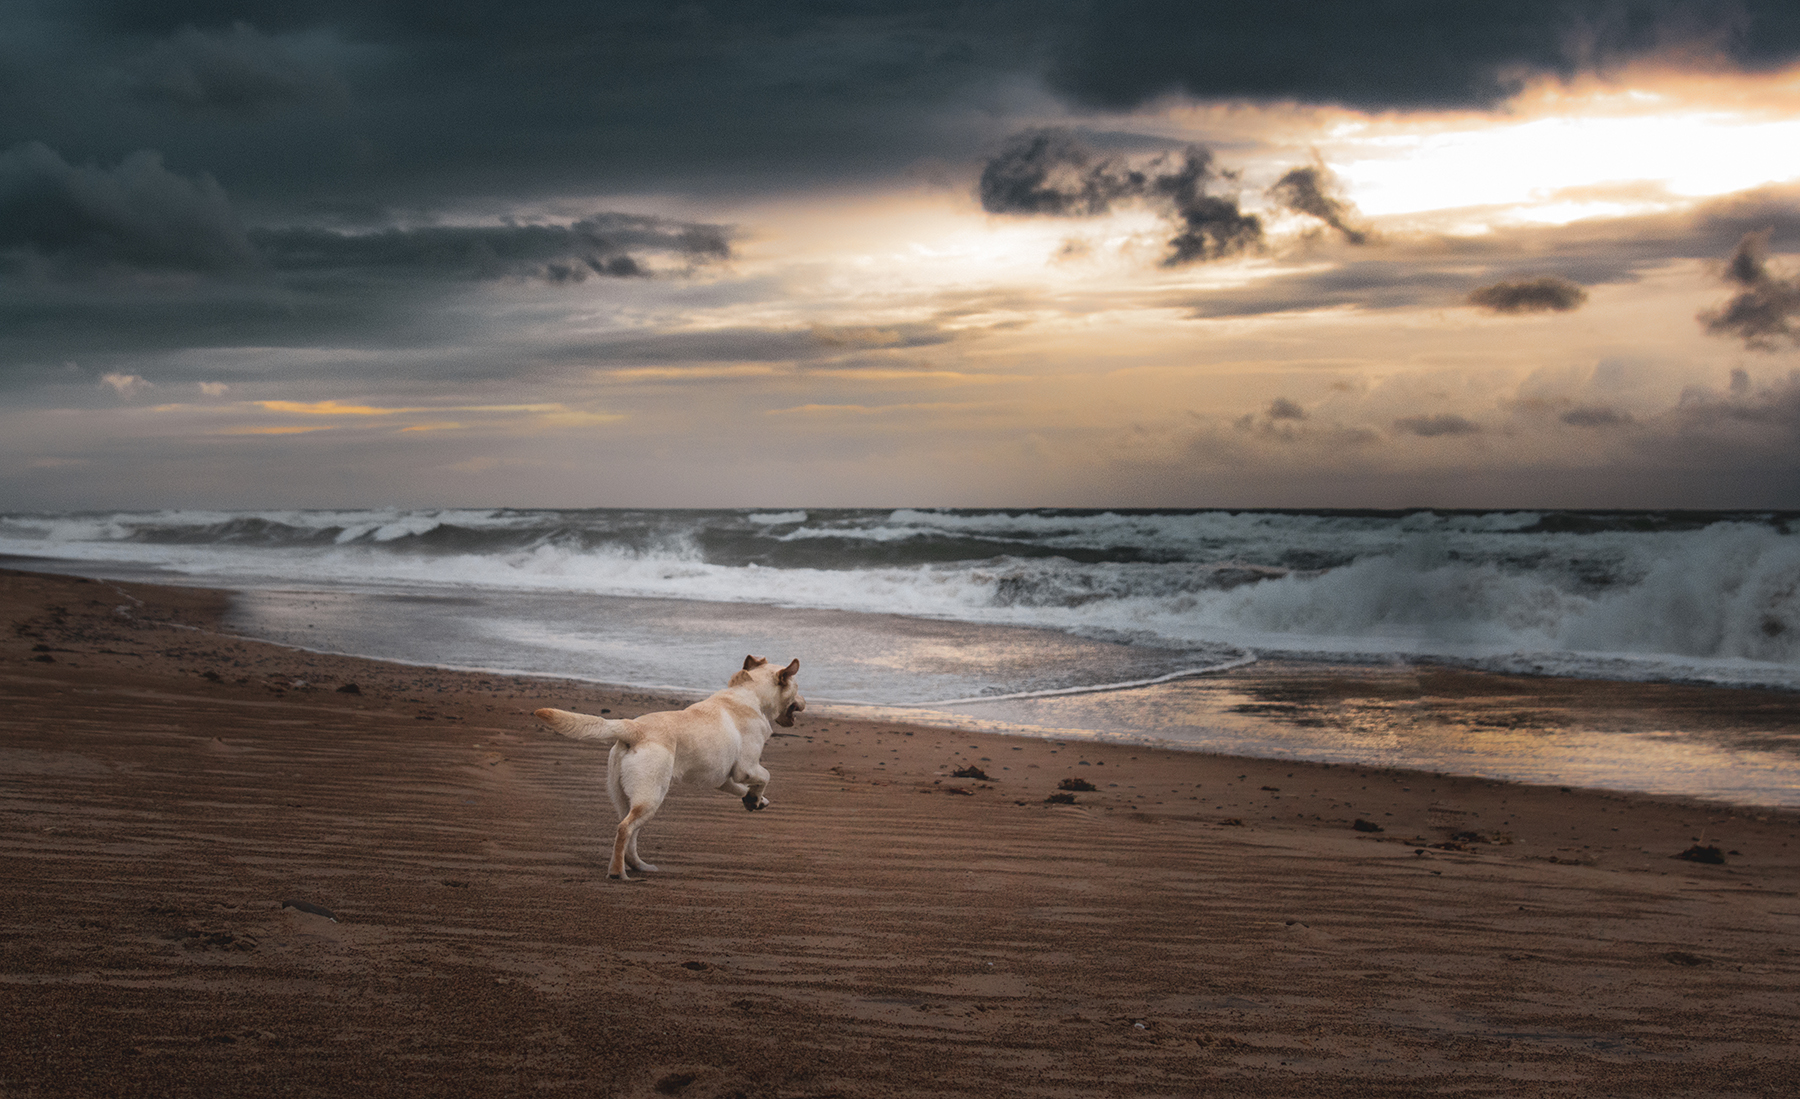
pixel 753 662
pixel 788 672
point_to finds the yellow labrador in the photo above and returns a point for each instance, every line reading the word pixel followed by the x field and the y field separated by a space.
pixel 716 742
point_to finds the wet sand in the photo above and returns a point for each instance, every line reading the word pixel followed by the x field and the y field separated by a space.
pixel 1194 924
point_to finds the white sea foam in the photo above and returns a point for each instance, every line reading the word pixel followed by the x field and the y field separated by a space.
pixel 1715 601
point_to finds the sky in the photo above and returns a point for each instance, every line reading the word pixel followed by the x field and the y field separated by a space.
pixel 1143 253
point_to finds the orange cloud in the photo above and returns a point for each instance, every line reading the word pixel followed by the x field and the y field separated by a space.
pixel 329 408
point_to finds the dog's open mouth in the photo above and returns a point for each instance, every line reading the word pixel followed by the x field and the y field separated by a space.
pixel 786 720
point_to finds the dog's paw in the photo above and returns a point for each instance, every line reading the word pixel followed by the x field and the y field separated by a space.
pixel 753 803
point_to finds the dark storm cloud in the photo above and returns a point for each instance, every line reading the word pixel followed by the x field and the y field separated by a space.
pixel 1051 172
pixel 236 69
pixel 137 215
pixel 601 245
pixel 1763 311
pixel 1545 294
pixel 408 102
pixel 75 221
pixel 1307 191
pixel 402 102
pixel 1402 53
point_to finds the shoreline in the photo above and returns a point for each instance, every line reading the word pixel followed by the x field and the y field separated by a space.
pixel 1725 745
pixel 1193 922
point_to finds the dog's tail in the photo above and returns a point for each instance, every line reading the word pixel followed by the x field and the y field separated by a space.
pixel 585 727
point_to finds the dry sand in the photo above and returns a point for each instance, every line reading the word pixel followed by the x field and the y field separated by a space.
pixel 1195 925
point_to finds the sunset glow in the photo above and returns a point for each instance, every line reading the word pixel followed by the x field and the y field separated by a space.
pixel 1036 293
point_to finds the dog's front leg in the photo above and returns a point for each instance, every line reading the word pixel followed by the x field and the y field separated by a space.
pixel 756 781
pixel 738 790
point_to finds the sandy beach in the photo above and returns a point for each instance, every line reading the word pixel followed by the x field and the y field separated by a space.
pixel 1191 924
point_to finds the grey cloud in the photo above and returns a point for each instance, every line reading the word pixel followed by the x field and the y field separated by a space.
pixel 1731 446
pixel 1372 284
pixel 1596 416
pixel 137 215
pixel 1283 409
pixel 1763 310
pixel 1545 294
pixel 238 70
pixel 1050 172
pixel 601 245
pixel 759 345
pixel 1775 405
pixel 1307 190
pixel 1425 271
pixel 1430 427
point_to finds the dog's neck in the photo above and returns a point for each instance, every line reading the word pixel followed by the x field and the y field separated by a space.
pixel 758 700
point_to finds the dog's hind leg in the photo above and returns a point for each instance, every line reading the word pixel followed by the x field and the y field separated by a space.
pixel 631 855
pixel 625 843
pixel 615 789
pixel 638 780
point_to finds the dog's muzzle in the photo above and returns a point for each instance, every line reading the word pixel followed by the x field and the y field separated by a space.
pixel 786 720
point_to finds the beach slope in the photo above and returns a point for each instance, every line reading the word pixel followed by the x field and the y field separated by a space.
pixel 232 868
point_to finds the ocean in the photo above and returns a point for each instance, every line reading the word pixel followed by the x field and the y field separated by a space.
pixel 1046 621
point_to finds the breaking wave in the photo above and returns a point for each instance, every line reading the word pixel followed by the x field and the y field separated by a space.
pixel 1613 594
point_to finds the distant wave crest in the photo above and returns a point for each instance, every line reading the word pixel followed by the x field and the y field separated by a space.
pixel 1672 595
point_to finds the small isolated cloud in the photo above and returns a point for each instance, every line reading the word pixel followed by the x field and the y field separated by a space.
pixel 240 70
pixel 137 215
pixel 1430 427
pixel 1596 416
pixel 125 385
pixel 1213 227
pixel 1547 294
pixel 1050 172
pixel 214 389
pixel 1308 190
pixel 1287 424
pixel 1762 312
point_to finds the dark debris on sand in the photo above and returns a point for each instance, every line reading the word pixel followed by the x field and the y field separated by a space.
pixel 1709 855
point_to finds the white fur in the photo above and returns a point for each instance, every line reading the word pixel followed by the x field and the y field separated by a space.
pixel 716 742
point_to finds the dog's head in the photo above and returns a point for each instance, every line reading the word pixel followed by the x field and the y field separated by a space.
pixel 779 682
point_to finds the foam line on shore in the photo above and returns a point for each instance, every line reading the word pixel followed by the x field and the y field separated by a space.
pixel 1096 688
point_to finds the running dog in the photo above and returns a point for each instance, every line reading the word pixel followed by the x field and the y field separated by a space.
pixel 716 742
